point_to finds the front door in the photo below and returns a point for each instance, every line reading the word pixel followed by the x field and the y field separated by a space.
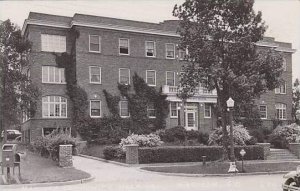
pixel 190 120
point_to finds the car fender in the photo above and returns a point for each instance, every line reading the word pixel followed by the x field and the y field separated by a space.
pixel 291 174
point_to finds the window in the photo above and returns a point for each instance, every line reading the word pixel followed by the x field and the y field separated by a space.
pixel 95 74
pixel 281 89
pixel 182 54
pixel 124 46
pixel 173 110
pixel 51 74
pixel 49 130
pixel 54 107
pixel 53 43
pixel 151 112
pixel 95 108
pixel 284 64
pixel 94 43
pixel 170 51
pixel 207 110
pixel 280 111
pixel 263 111
pixel 124 76
pixel 150 49
pixel 124 112
pixel 151 77
pixel 170 78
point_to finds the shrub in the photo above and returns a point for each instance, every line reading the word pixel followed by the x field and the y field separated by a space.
pixel 174 134
pixel 150 140
pixel 112 152
pixel 283 135
pixel 201 137
pixel 49 145
pixel 179 154
pixel 240 135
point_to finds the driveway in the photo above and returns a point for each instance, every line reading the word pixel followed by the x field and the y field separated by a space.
pixel 111 177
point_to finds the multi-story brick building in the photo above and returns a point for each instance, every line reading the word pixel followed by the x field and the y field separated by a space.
pixel 109 51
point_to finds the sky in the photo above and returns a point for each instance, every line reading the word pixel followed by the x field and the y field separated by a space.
pixel 281 16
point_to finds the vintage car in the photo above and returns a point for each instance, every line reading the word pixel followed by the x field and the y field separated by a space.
pixel 292 182
pixel 11 134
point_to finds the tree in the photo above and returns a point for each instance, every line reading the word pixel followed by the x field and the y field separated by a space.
pixel 296 101
pixel 18 95
pixel 220 37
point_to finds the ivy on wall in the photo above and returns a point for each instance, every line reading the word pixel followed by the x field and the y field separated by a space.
pixel 76 94
pixel 138 100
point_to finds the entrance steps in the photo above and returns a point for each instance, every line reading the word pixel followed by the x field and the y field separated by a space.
pixel 281 154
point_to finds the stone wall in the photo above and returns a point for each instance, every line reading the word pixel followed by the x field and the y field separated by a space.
pixel 65 156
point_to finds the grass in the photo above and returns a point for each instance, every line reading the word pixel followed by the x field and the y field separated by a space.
pixel 36 169
pixel 222 168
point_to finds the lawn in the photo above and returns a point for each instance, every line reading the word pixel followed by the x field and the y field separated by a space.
pixel 222 168
pixel 36 169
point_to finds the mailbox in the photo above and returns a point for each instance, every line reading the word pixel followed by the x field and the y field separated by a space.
pixel 9 155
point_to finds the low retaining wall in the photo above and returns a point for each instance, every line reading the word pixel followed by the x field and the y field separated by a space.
pixel 295 149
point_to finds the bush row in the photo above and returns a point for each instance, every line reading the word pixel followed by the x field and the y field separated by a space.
pixel 179 154
pixel 194 153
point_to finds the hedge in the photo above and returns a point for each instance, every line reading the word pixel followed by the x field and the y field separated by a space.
pixel 253 152
pixel 179 154
pixel 171 154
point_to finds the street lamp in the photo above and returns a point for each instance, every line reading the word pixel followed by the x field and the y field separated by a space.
pixel 230 105
pixel 242 152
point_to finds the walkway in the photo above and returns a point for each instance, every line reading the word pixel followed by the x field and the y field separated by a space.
pixel 111 177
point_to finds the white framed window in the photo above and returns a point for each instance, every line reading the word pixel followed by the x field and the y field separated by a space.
pixel 280 111
pixel 53 43
pixel 281 89
pixel 173 110
pixel 95 108
pixel 170 78
pixel 95 74
pixel 52 74
pixel 94 43
pixel 151 112
pixel 124 46
pixel 182 54
pixel 170 51
pixel 150 49
pixel 263 111
pixel 54 107
pixel 124 111
pixel 124 76
pixel 207 110
pixel 151 77
pixel 284 64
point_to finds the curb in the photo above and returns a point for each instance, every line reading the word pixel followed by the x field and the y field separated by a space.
pixel 213 175
pixel 48 184
pixel 104 160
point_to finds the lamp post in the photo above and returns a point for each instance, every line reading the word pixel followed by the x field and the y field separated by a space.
pixel 230 105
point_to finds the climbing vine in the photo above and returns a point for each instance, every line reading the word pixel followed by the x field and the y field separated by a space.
pixel 138 100
pixel 76 94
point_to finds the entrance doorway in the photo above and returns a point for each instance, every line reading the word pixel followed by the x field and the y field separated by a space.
pixel 190 117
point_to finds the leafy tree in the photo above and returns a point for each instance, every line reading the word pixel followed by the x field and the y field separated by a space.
pixel 221 36
pixel 296 101
pixel 17 93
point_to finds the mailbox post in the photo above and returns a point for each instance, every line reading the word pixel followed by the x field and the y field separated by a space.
pixel 8 158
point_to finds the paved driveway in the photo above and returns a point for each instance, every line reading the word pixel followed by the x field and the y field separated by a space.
pixel 110 177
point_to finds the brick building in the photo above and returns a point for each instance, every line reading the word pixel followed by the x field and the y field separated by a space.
pixel 110 50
